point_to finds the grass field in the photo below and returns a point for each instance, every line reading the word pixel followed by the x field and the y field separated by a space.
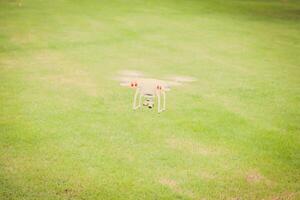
pixel 68 130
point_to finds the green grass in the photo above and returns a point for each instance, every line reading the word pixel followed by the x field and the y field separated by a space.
pixel 68 130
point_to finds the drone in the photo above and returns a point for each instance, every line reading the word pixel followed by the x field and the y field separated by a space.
pixel 150 88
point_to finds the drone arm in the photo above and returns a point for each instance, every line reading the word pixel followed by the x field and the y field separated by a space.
pixel 124 84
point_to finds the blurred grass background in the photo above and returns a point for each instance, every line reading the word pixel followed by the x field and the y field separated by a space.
pixel 67 128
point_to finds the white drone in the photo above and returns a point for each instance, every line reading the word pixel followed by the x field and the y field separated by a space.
pixel 149 88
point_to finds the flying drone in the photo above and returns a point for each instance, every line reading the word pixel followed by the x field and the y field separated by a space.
pixel 149 88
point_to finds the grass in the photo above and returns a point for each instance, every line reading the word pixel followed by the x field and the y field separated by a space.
pixel 68 131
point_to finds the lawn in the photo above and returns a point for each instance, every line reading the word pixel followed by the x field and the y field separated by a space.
pixel 67 128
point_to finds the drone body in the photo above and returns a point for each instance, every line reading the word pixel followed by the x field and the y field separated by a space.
pixel 149 89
